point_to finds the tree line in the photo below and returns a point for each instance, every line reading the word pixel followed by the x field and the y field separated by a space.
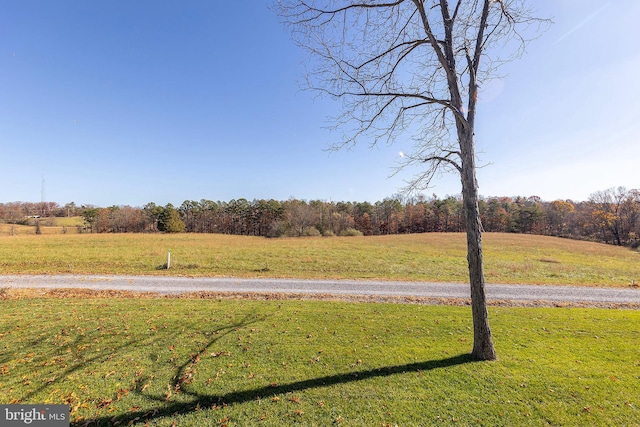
pixel 611 216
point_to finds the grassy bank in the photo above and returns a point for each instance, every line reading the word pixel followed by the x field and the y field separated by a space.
pixel 510 258
pixel 238 363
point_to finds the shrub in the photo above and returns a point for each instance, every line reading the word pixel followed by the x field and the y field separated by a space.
pixel 351 232
pixel 310 232
pixel 277 229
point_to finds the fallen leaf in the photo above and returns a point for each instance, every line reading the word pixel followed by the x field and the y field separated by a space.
pixel 121 393
pixel 104 403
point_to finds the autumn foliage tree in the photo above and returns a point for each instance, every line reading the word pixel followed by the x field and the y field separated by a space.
pixel 607 214
pixel 616 212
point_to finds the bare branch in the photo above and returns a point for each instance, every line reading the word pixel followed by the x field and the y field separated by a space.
pixel 404 65
pixel 440 159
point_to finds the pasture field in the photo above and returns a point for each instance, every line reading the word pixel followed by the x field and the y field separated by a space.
pixel 53 225
pixel 509 258
pixel 189 362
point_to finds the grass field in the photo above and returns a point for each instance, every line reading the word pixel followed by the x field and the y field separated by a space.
pixel 509 258
pixel 198 362
pixel 164 362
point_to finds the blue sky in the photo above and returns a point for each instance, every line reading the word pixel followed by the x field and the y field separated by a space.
pixel 122 102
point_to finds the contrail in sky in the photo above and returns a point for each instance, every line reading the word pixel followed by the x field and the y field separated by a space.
pixel 581 23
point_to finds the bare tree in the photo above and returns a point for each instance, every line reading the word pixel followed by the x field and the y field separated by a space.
pixel 615 211
pixel 415 66
pixel 301 216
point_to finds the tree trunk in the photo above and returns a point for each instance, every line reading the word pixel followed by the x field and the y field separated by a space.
pixel 483 348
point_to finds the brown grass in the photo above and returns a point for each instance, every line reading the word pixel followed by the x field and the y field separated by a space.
pixel 509 258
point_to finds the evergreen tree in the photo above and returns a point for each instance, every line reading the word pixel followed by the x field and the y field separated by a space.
pixel 170 221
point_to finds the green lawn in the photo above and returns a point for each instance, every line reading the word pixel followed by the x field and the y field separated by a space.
pixel 272 363
pixel 509 258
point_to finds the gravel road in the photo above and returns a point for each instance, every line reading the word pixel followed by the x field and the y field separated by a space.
pixel 178 285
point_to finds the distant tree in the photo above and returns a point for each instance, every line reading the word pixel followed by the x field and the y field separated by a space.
pixel 364 224
pixel 128 219
pixel 342 218
pixel 70 209
pixel 323 211
pixel 411 64
pixel 388 212
pixel 267 213
pixel 103 222
pixel 558 213
pixel 496 218
pixel 31 209
pixel 448 214
pixel 170 221
pixel 414 220
pixel 527 215
pixel 54 209
pixel 14 213
pixel 616 212
pixel 153 213
pixel 190 213
pixel 90 215
pixel 300 216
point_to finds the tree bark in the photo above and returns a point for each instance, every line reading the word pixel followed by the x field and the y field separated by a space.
pixel 483 348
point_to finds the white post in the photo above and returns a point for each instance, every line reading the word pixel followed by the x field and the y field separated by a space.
pixel 168 259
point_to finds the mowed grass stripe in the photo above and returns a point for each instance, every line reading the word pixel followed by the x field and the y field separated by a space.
pixel 509 258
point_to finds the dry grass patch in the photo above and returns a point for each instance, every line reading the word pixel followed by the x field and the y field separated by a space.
pixel 510 258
